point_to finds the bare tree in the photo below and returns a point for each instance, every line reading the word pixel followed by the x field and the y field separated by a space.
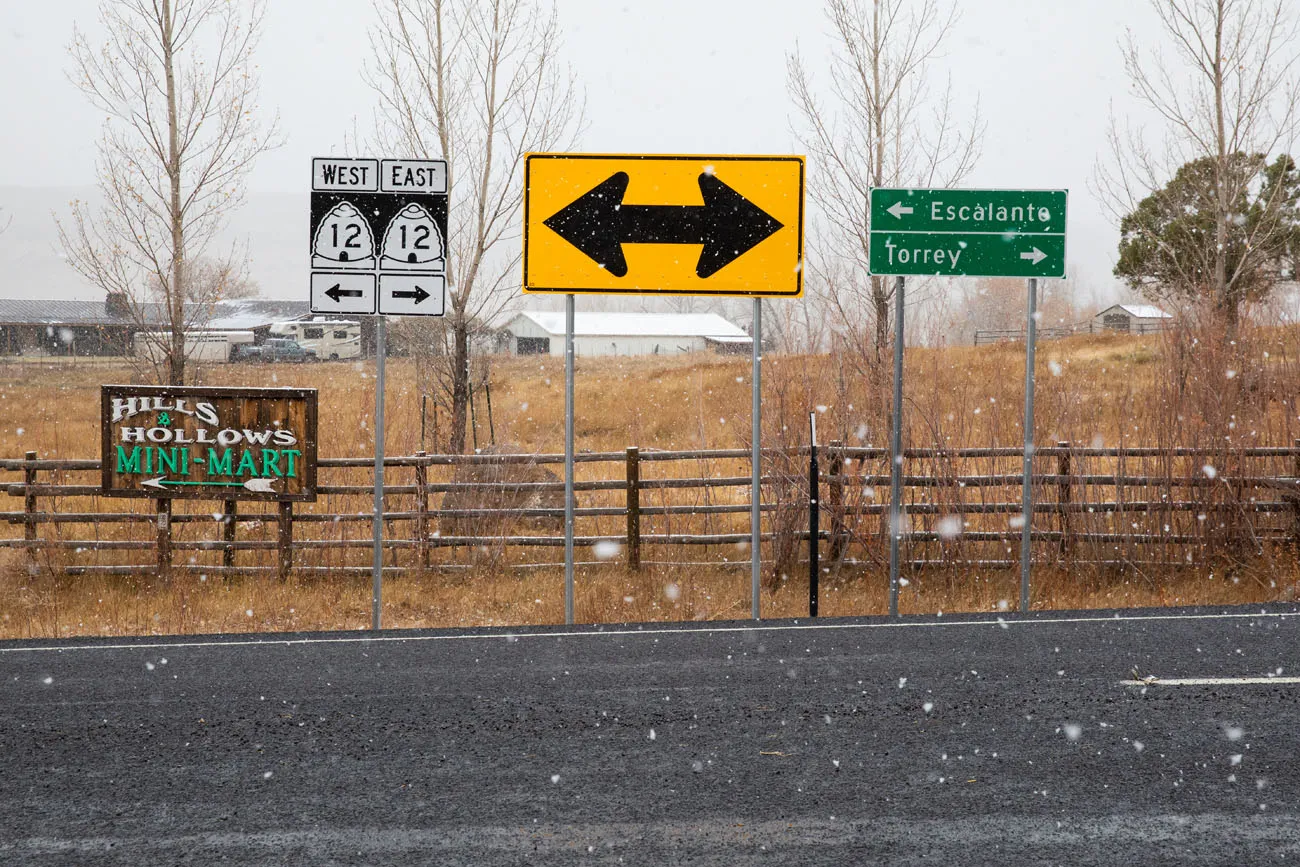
pixel 882 126
pixel 176 80
pixel 1227 93
pixel 479 84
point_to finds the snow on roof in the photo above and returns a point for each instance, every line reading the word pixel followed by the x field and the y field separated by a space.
pixel 1140 311
pixel 249 313
pixel 708 325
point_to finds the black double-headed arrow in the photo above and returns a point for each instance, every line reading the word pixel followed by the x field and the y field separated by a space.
pixel 418 293
pixel 599 224
pixel 336 292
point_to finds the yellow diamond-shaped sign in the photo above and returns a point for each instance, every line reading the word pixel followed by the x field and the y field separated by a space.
pixel 660 224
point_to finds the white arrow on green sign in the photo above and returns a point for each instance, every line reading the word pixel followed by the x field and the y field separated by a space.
pixel 968 233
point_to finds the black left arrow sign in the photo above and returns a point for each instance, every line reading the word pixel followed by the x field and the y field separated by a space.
pixel 418 293
pixel 336 292
pixel 599 224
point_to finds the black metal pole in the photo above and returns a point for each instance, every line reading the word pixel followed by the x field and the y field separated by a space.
pixel 814 568
pixel 473 416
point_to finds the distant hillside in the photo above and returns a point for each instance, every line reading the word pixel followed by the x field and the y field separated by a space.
pixel 272 226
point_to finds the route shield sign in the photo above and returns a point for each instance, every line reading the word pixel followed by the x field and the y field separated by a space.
pixel 968 233
pixel 210 443
pixel 670 225
pixel 378 236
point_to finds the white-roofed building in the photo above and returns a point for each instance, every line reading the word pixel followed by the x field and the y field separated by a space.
pixel 1132 318
pixel 542 333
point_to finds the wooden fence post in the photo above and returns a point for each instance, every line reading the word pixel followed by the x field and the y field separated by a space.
pixel 634 508
pixel 422 508
pixel 1295 501
pixel 835 495
pixel 29 505
pixel 228 512
pixel 284 538
pixel 163 524
pixel 1063 496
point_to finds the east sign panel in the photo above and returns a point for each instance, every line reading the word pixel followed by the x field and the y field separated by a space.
pixel 968 233
pixel 209 443
pixel 663 224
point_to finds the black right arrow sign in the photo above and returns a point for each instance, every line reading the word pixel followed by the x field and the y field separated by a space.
pixel 418 293
pixel 599 224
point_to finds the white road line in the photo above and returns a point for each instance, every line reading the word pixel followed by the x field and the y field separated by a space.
pixel 1210 681
pixel 624 633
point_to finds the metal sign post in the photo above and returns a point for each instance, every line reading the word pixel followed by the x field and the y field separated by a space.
pixel 744 215
pixel 814 508
pixel 568 459
pixel 377 566
pixel 896 452
pixel 964 233
pixel 756 460
pixel 379 244
pixel 1027 492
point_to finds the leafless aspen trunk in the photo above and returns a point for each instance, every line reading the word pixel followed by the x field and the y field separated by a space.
pixel 176 80
pixel 883 126
pixel 479 84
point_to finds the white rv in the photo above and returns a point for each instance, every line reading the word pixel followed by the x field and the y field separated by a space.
pixel 199 345
pixel 328 338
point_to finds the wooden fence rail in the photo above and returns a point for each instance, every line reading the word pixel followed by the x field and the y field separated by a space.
pixel 1092 505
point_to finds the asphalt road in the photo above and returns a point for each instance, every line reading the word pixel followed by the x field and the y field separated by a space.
pixel 941 740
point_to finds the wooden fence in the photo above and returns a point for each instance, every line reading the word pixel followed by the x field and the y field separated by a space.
pixel 984 337
pixel 1106 507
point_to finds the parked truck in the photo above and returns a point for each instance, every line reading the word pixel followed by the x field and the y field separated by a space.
pixel 276 350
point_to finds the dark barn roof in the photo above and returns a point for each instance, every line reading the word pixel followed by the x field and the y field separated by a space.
pixel 28 311
pixel 225 315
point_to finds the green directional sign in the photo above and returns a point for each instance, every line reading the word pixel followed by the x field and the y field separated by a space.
pixel 968 233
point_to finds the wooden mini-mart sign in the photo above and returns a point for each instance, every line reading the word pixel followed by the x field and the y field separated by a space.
pixel 209 443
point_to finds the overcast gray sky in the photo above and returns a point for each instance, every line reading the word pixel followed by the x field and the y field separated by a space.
pixel 672 76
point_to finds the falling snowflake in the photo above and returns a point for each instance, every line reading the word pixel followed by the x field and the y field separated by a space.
pixel 606 549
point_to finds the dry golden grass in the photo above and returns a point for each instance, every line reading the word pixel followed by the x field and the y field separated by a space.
pixel 43 606
pixel 1092 391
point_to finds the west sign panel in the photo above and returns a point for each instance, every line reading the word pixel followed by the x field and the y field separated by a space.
pixel 968 233
pixel 209 443
pixel 663 224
